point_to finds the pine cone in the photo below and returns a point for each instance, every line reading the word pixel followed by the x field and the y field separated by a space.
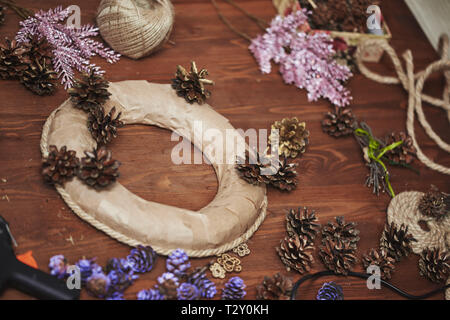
pixel 303 223
pixel 98 169
pixel 292 137
pixel 103 127
pixel 339 123
pixel 38 49
pixel 191 85
pixel 13 59
pixel 330 291
pixel 380 258
pixel 278 287
pixel 434 264
pixel 396 241
pixel 197 277
pixel 280 174
pixel 188 291
pixel 435 204
pixel 168 284
pixel 39 78
pixel 2 15
pixel 234 289
pixel 89 92
pixel 142 259
pixel 296 253
pixel 178 262
pixel 338 256
pixel 60 166
pixel 341 230
pixel 404 153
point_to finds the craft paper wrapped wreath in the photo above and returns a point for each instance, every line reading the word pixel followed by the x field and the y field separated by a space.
pixel 230 219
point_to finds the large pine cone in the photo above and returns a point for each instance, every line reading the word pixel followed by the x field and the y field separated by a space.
pixel 380 258
pixel 339 123
pixel 38 49
pixel 397 241
pixel 434 264
pixel 338 256
pixel 89 92
pixel 435 204
pixel 278 287
pixel 13 59
pixel 296 253
pixel 341 230
pixel 39 78
pixel 98 169
pixel 60 166
pixel 191 85
pixel 279 174
pixel 302 222
pixel 292 137
pixel 404 153
pixel 103 127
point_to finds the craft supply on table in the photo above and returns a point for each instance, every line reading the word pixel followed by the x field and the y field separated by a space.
pixel 135 28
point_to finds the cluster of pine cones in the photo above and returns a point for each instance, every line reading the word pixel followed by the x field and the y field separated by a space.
pixel 30 63
pixel 97 169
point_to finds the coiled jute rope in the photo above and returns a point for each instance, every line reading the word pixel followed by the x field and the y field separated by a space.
pixel 135 28
pixel 413 83
pixel 404 209
pixel 132 242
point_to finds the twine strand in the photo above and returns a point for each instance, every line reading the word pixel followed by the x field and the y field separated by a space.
pixel 413 84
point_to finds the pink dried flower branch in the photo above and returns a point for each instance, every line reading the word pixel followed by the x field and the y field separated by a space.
pixel 72 48
pixel 305 59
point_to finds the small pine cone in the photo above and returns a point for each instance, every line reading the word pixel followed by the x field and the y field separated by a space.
pixel 188 291
pixel 380 258
pixel 191 85
pixel 434 264
pixel 396 241
pixel 207 288
pixel 435 204
pixel 13 59
pixel 280 174
pixel 150 294
pixel 341 230
pixel 178 262
pixel 404 153
pixel 98 284
pixel 278 287
pixel 292 137
pixel 284 175
pixel 98 169
pixel 168 285
pixel 142 259
pixel 60 165
pixel 39 78
pixel 303 223
pixel 339 123
pixel 89 92
pixel 296 253
pixel 330 291
pixel 338 256
pixel 234 289
pixel 103 127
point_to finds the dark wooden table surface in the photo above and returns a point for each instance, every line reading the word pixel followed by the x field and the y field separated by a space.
pixel 331 172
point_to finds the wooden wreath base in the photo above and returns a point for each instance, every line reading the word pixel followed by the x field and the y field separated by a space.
pixel 231 218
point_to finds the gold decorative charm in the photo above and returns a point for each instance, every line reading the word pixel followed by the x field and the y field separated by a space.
pixel 230 263
pixel 292 137
pixel 191 85
pixel 217 270
pixel 242 250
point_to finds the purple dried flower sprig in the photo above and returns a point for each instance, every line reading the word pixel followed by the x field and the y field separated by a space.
pixel 58 266
pixel 305 59
pixel 72 47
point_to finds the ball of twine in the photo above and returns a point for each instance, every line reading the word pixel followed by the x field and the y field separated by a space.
pixel 135 28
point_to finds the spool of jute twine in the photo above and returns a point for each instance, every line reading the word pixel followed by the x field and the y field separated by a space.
pixel 413 83
pixel 135 28
pixel 404 209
